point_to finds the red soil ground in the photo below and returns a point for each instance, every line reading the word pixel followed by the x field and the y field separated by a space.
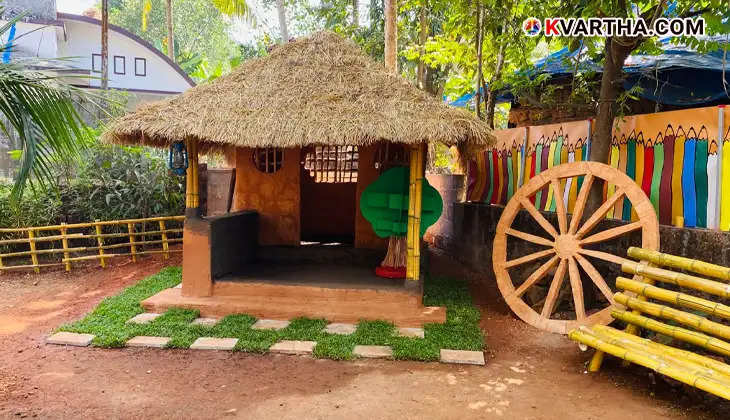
pixel 529 374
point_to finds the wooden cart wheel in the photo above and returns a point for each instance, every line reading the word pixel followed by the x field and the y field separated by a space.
pixel 564 246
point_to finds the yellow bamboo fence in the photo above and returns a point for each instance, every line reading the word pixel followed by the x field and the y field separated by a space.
pixel 695 328
pixel 64 244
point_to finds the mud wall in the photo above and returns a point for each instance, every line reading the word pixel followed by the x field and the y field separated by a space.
pixel 275 196
pixel 365 236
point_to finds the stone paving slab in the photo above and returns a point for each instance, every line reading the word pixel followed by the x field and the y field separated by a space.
pixel 205 322
pixel 341 329
pixel 373 351
pixel 213 343
pixel 411 332
pixel 147 341
pixel 70 339
pixel 269 324
pixel 293 347
pixel 179 286
pixel 462 357
pixel 144 318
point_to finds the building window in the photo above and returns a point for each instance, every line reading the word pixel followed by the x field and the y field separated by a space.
pixel 96 63
pixel 140 66
pixel 332 164
pixel 267 159
pixel 389 155
pixel 120 64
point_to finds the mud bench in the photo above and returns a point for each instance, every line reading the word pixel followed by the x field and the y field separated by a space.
pixel 692 322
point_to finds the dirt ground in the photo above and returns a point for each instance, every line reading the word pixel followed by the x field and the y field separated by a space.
pixel 529 374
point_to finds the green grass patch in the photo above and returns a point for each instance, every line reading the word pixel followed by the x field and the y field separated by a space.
pixel 460 332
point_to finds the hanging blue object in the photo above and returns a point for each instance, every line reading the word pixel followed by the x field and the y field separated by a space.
pixel 178 158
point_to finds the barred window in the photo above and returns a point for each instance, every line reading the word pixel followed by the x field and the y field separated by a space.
pixel 267 159
pixel 332 164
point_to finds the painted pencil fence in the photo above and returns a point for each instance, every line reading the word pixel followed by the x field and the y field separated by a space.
pixel 676 157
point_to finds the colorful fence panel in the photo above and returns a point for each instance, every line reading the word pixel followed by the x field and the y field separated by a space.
pixel 496 173
pixel 673 156
pixel 676 158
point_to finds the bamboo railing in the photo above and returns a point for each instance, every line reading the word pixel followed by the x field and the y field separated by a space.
pixel 86 241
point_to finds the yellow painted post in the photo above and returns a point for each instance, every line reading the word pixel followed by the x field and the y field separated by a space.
pixel 1 266
pixel 132 247
pixel 33 256
pixel 191 185
pixel 165 246
pixel 64 241
pixel 413 236
pixel 100 242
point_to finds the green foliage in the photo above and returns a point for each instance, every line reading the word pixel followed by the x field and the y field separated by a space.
pixel 384 203
pixel 109 183
pixel 200 30
pixel 460 332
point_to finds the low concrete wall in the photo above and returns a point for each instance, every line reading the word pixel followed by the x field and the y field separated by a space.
pixel 475 225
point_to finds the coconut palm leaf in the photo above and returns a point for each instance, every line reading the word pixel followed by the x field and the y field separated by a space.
pixel 40 110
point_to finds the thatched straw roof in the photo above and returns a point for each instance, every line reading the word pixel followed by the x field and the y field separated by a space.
pixel 321 89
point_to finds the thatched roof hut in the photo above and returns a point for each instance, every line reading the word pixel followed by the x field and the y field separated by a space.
pixel 322 89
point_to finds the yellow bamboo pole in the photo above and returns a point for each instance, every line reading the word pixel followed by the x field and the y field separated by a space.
pixel 64 242
pixel 691 320
pixel 165 246
pixel 1 265
pixel 693 337
pixel 132 247
pixel 681 356
pixel 100 242
pixel 685 280
pixel 682 263
pixel 113 255
pixel 192 199
pixel 41 238
pixel 33 256
pixel 413 237
pixel 87 225
pixel 677 298
pixel 715 387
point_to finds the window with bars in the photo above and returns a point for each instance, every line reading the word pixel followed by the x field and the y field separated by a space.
pixel 267 159
pixel 332 164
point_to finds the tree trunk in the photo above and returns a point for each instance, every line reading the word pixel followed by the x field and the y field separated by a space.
pixel 170 31
pixel 104 44
pixel 478 40
pixel 391 36
pixel 283 30
pixel 491 99
pixel 422 37
pixel 611 87
pixel 355 13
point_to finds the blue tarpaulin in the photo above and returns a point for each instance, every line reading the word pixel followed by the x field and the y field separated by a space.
pixel 678 76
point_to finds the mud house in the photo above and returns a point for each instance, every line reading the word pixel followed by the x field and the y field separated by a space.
pixel 307 129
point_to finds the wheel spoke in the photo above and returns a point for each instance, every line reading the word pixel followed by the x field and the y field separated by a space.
pixel 538 217
pixel 600 213
pixel 528 258
pixel 612 233
pixel 580 203
pixel 605 256
pixel 576 286
pixel 536 276
pixel 554 291
pixel 560 205
pixel 595 277
pixel 530 238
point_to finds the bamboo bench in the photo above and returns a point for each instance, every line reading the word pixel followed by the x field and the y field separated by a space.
pixel 634 308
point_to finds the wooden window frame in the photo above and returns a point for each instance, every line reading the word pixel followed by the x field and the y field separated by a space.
pixel 346 164
pixel 93 61
pixel 144 64
pixel 124 64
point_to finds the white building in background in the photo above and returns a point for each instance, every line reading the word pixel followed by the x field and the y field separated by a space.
pixel 135 66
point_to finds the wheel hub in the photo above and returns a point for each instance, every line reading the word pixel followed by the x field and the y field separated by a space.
pixel 566 245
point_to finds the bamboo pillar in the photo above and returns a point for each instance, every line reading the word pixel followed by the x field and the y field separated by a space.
pixel 192 199
pixel 165 245
pixel 64 242
pixel 33 255
pixel 132 246
pixel 100 242
pixel 413 235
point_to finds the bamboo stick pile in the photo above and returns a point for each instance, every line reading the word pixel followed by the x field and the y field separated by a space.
pixel 643 298
pixel 67 243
